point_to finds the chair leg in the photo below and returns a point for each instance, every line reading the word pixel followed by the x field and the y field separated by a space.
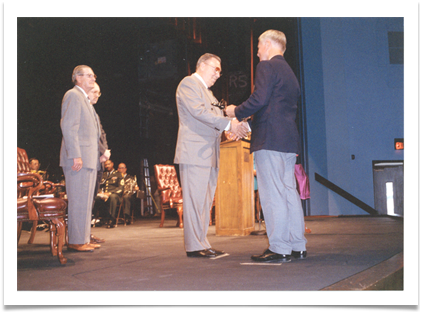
pixel 59 229
pixel 66 232
pixel 163 215
pixel 180 213
pixel 19 231
pixel 33 231
pixel 96 216
pixel 118 214
pixel 124 217
pixel 53 238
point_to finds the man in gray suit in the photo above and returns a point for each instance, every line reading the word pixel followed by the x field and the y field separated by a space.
pixel 104 153
pixel 79 156
pixel 198 150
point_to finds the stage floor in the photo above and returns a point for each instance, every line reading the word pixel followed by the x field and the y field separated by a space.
pixel 144 257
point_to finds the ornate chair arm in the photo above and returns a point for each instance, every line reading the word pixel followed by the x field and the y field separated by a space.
pixel 34 183
pixel 48 187
pixel 165 195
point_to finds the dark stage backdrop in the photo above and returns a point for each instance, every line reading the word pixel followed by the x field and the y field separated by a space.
pixel 139 63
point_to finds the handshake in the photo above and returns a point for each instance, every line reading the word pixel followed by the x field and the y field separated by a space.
pixel 238 129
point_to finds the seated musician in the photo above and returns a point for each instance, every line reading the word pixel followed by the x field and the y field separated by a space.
pixel 34 165
pixel 129 192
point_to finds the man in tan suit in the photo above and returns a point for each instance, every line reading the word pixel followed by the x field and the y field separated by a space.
pixel 79 157
pixel 198 150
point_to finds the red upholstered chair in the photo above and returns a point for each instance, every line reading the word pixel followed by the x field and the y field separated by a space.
pixel 37 208
pixel 170 191
pixel 48 188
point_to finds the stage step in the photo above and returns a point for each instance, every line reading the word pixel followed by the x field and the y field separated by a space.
pixel 388 275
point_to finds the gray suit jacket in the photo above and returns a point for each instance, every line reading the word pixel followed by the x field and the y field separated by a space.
pixel 200 124
pixel 80 129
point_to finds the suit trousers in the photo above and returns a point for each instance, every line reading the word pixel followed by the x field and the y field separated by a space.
pixel 114 202
pixel 128 200
pixel 80 188
pixel 106 209
pixel 280 201
pixel 198 185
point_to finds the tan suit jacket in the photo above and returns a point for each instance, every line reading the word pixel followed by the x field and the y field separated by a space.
pixel 200 124
pixel 81 131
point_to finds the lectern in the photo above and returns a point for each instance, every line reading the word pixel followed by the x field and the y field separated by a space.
pixel 234 199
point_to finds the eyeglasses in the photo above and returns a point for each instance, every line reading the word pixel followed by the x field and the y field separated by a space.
pixel 89 75
pixel 216 68
pixel 121 168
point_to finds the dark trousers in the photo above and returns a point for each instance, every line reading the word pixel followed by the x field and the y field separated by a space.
pixel 106 209
pixel 128 200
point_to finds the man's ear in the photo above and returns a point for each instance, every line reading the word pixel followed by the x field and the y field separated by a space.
pixel 201 66
pixel 78 78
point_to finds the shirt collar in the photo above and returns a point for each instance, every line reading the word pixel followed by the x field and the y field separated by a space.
pixel 200 78
pixel 83 91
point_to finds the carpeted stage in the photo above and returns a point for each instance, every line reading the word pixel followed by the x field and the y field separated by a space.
pixel 344 253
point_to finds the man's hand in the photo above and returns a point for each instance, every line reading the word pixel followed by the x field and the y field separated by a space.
pixel 230 111
pixel 238 130
pixel 77 164
pixel 106 156
pixel 104 196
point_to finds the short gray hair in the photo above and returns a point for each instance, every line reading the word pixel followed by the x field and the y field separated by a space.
pixel 275 36
pixel 206 57
pixel 77 71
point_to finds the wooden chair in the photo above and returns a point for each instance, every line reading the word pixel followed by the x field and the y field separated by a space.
pixel 170 191
pixel 32 207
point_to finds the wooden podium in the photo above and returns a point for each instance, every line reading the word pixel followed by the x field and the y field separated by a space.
pixel 234 197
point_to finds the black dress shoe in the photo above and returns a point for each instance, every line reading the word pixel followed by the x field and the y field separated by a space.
pixel 269 256
pixel 128 219
pixel 201 253
pixel 216 252
pixel 299 254
pixel 111 224
pixel 100 223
